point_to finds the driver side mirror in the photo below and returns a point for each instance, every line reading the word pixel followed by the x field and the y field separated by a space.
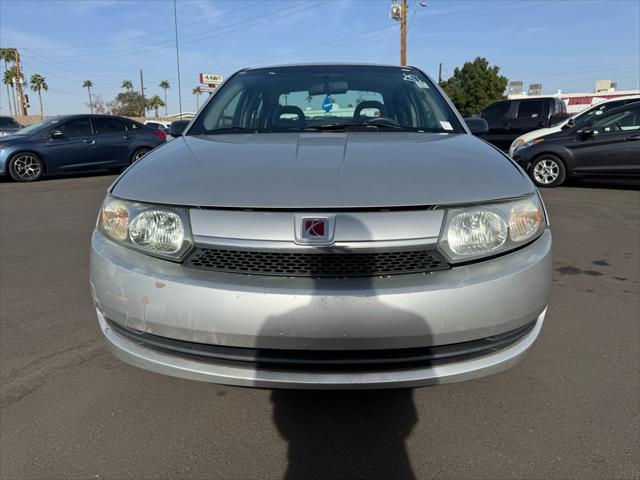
pixel 571 122
pixel 587 132
pixel 477 125
pixel 56 134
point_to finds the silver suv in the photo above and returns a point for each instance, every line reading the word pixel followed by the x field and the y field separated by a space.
pixel 323 226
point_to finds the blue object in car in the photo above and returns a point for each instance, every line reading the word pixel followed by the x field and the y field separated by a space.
pixel 74 143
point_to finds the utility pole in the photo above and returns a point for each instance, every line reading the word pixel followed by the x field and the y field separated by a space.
pixel 403 34
pixel 440 74
pixel 175 22
pixel 144 103
pixel 22 108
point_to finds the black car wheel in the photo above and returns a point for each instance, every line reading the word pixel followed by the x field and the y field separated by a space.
pixel 138 154
pixel 26 167
pixel 548 171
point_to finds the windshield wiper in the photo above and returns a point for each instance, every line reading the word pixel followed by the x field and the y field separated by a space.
pixel 367 126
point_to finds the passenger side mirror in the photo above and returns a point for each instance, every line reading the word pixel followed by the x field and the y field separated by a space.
pixel 176 129
pixel 477 125
pixel 56 134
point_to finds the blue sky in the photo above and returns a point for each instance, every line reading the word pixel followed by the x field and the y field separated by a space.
pixel 563 44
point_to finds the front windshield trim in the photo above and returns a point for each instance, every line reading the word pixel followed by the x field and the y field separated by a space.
pixel 443 120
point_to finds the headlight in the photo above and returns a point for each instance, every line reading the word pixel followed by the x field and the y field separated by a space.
pixel 480 231
pixel 156 230
pixel 522 144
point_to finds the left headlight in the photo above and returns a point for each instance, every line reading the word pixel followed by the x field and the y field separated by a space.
pixel 480 231
pixel 522 144
pixel 156 230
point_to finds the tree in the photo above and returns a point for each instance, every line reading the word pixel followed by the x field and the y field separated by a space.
pixel 154 103
pixel 98 104
pixel 164 85
pixel 37 83
pixel 88 84
pixel 9 55
pixel 197 92
pixel 475 85
pixel 128 104
pixel 7 79
pixel 127 85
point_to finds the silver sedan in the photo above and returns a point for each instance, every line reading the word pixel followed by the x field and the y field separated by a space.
pixel 323 226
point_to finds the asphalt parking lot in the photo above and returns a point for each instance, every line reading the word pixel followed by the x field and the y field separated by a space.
pixel 68 409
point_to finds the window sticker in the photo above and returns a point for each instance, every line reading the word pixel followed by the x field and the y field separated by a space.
pixel 411 77
pixel 446 125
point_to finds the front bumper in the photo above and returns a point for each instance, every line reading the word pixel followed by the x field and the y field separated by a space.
pixel 406 311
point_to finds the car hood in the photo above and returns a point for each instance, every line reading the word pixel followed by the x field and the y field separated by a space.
pixel 323 170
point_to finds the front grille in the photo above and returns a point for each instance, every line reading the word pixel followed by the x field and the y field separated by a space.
pixel 321 264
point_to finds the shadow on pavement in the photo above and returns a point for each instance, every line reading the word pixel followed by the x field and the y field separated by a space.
pixel 335 434
pixel 346 434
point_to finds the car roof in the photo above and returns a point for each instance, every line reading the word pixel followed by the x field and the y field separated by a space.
pixel 326 64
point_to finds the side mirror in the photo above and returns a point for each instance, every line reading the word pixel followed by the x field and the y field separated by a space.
pixel 587 133
pixel 477 125
pixel 177 128
pixel 571 122
pixel 56 134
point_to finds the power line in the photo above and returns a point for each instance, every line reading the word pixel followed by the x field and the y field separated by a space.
pixel 122 40
pixel 195 37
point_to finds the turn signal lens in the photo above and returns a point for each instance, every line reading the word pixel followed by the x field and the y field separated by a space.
pixel 525 221
pixel 114 220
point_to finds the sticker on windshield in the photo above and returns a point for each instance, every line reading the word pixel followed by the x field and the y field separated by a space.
pixel 446 125
pixel 411 77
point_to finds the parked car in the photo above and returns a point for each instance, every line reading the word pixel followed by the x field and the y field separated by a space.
pixel 8 126
pixel 605 146
pixel 158 125
pixel 578 119
pixel 508 119
pixel 379 245
pixel 73 143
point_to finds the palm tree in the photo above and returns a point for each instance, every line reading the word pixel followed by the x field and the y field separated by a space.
pixel 11 77
pixel 154 103
pixel 37 83
pixel 164 85
pixel 197 92
pixel 8 55
pixel 127 85
pixel 88 84
pixel 7 79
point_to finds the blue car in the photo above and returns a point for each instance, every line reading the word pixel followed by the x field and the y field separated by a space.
pixel 74 143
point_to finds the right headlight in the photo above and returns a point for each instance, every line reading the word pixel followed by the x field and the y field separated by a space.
pixel 153 229
pixel 486 230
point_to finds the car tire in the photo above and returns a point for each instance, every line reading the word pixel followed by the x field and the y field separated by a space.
pixel 548 171
pixel 139 153
pixel 26 167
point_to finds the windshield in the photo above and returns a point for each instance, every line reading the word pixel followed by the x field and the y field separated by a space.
pixel 308 98
pixel 38 126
